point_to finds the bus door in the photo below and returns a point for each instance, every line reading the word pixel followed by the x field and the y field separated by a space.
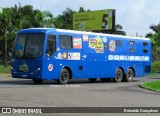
pixel 50 61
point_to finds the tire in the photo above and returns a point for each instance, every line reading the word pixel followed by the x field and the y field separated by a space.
pixel 129 75
pixel 105 79
pixel 92 79
pixel 64 77
pixel 118 75
pixel 37 81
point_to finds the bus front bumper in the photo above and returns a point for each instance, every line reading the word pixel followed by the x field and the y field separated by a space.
pixel 26 75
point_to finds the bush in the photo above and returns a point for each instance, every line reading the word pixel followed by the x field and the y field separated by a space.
pixel 156 67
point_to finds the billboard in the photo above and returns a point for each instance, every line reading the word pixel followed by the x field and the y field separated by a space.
pixel 94 20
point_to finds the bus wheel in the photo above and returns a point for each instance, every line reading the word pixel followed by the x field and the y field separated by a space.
pixel 37 81
pixel 118 75
pixel 129 75
pixel 92 80
pixel 64 77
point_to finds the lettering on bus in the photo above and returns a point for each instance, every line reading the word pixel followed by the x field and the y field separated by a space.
pixel 128 58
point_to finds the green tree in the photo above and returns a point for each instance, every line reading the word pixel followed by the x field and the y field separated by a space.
pixel 26 17
pixel 119 30
pixel 81 9
pixel 5 27
pixel 155 39
pixel 48 20
pixel 30 17
pixel 15 18
pixel 67 18
pixel 58 22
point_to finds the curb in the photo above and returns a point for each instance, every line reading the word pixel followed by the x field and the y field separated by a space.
pixel 143 87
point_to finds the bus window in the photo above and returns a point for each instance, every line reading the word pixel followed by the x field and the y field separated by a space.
pixel 51 45
pixel 65 41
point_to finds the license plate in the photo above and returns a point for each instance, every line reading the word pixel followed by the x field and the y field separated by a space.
pixel 23 75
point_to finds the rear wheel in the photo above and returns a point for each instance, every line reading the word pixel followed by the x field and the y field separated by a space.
pixel 118 75
pixel 64 77
pixel 37 81
pixel 92 80
pixel 129 75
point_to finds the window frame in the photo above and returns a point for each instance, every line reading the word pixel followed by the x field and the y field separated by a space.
pixel 71 42
pixel 51 39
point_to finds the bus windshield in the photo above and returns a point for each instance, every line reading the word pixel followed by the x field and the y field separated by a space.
pixel 28 45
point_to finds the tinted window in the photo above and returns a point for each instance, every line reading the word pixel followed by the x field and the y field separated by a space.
pixel 34 45
pixel 65 41
pixel 51 45
pixel 28 45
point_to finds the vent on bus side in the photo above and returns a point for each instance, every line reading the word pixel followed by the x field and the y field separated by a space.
pixel 145 44
pixel 147 69
pixel 145 51
pixel 80 68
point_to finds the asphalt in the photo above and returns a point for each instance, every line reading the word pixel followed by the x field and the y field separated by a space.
pixel 78 93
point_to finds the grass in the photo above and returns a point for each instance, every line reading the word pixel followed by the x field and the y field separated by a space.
pixel 5 70
pixel 154 75
pixel 154 86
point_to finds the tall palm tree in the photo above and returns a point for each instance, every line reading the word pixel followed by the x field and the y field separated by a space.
pixel 48 20
pixel 5 26
pixel 155 39
pixel 67 17
pixel 58 22
pixel 119 30
pixel 155 28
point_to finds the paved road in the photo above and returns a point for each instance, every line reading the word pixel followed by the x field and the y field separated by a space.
pixel 78 93
pixel 18 92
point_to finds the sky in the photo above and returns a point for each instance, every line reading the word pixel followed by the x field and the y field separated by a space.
pixel 135 16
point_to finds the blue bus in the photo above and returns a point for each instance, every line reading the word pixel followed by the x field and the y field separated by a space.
pixel 57 54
